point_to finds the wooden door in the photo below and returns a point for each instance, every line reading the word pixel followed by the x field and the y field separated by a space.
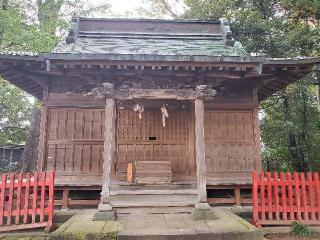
pixel 147 140
pixel 230 143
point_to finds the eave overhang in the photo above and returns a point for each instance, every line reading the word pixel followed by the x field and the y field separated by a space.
pixel 32 73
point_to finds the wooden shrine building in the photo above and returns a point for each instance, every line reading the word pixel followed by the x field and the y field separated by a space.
pixel 142 108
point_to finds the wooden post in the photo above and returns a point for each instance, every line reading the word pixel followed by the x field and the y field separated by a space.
pixel 109 138
pixel 200 151
pixel 65 198
pixel 256 131
pixel 42 139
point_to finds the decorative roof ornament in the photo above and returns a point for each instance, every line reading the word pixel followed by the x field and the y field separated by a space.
pixel 206 92
pixel 107 90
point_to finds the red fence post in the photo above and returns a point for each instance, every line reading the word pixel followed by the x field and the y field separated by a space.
pixel 35 197
pixel 269 195
pixel 290 196
pixel 300 197
pixel 283 196
pixel 311 196
pixel 43 196
pixel 51 199
pixel 17 215
pixel 18 209
pixel 276 194
pixel 297 194
pixel 316 179
pixel 26 198
pixel 3 200
pixel 255 196
pixel 304 197
pixel 262 193
pixel 10 202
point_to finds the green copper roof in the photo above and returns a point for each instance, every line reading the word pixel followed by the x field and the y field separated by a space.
pixel 150 37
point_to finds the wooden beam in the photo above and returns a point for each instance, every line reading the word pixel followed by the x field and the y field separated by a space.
pixel 156 94
pixel 200 151
pixel 109 138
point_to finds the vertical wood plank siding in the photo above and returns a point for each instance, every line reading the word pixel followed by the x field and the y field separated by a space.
pixel 230 143
pixel 75 140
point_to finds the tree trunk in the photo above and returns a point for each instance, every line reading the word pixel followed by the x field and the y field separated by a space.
pixel 292 137
pixel 30 152
pixel 304 133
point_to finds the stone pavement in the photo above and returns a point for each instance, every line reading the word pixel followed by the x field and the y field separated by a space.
pixel 159 226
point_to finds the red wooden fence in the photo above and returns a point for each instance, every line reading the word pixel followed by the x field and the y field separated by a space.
pixel 280 199
pixel 26 201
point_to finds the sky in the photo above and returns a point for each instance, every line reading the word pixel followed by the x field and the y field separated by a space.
pixel 122 6
pixel 126 8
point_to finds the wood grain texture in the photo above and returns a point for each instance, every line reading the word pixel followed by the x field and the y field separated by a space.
pixel 109 138
pixel 43 138
pixel 153 172
pixel 231 140
pixel 200 150
pixel 75 140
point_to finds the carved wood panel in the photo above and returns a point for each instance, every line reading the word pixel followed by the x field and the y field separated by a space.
pixel 75 140
pixel 229 139
pixel 147 140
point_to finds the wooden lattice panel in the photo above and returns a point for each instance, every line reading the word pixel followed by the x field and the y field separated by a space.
pixel 147 140
pixel 131 128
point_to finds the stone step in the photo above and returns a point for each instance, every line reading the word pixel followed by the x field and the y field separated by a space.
pixel 154 192
pixel 126 186
pixel 127 201
pixel 154 210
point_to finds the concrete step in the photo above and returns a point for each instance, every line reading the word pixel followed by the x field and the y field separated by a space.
pixel 127 201
pixel 154 192
pixel 126 186
pixel 154 210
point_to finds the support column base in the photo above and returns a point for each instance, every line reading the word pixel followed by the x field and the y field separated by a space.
pixel 203 211
pixel 105 212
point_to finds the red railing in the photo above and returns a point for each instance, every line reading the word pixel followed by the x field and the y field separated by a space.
pixel 280 199
pixel 26 201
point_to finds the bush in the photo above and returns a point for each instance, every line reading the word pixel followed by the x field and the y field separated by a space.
pixel 300 230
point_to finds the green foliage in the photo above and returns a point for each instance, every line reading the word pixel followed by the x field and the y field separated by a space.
pixel 15 109
pixel 20 31
pixel 17 35
pixel 207 9
pixel 300 230
pixel 302 9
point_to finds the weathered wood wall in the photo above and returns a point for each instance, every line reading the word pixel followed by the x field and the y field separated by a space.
pixel 73 136
pixel 75 140
pixel 230 143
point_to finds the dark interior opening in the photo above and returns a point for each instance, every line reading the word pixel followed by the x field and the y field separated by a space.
pixel 152 138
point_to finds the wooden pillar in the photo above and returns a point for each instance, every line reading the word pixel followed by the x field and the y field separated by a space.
pixel 42 147
pixel 256 131
pixel 200 151
pixel 65 198
pixel 109 138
